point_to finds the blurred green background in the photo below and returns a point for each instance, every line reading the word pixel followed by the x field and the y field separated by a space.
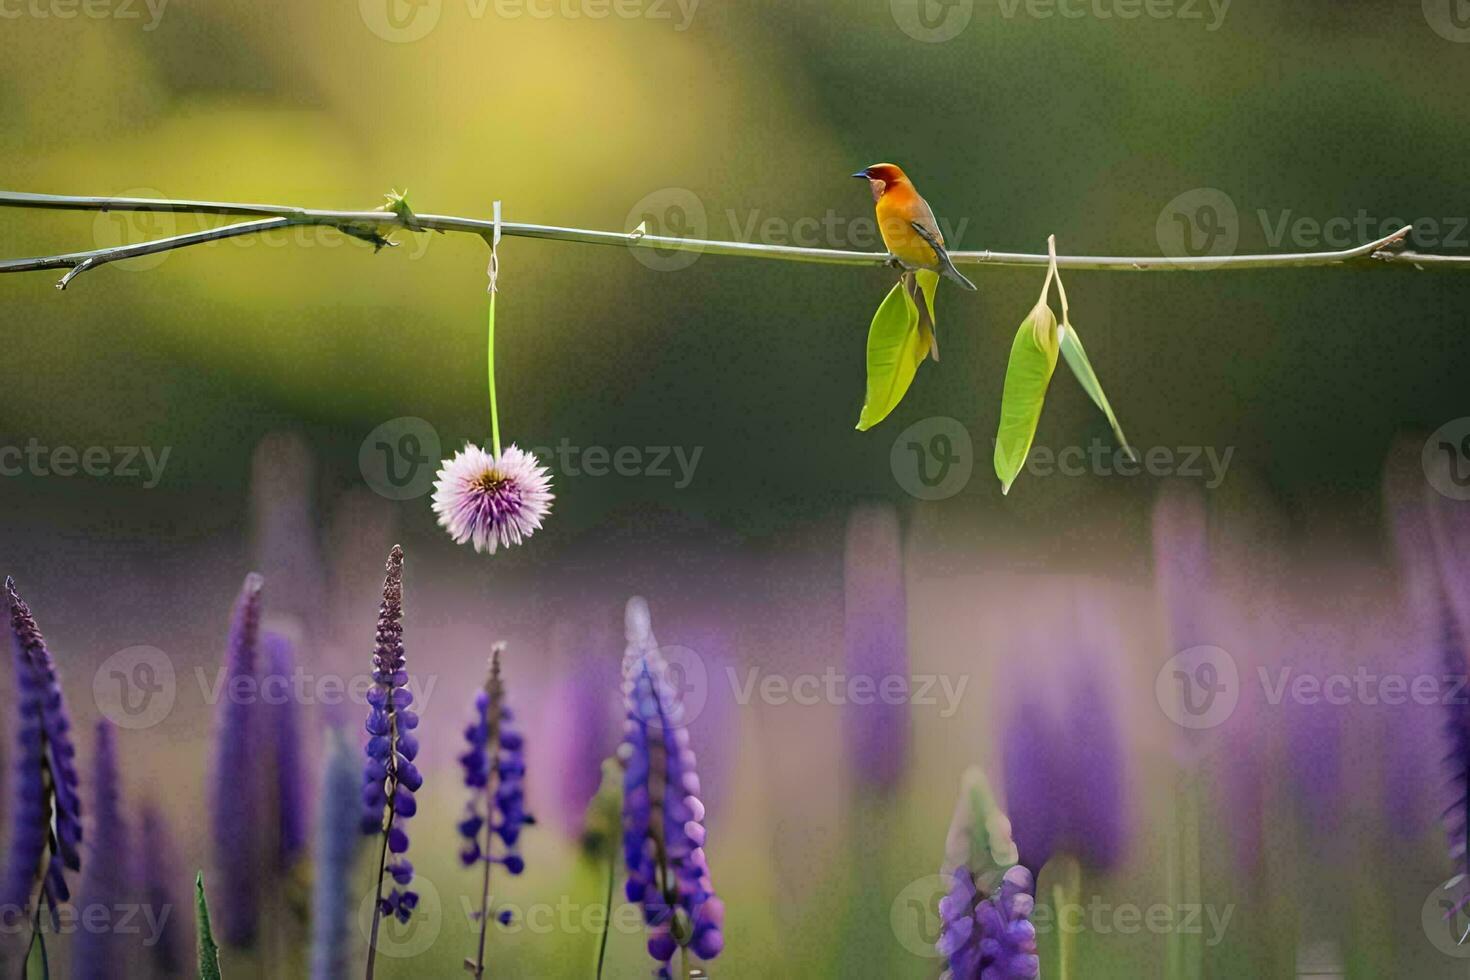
pixel 1021 125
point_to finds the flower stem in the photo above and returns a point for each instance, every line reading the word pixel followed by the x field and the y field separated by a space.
pixel 387 830
pixel 490 364
pixel 612 873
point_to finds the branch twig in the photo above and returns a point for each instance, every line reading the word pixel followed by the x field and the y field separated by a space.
pixel 374 227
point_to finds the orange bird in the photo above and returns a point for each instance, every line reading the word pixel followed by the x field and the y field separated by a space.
pixel 907 223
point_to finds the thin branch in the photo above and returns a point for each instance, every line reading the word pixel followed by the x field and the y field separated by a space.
pixel 375 226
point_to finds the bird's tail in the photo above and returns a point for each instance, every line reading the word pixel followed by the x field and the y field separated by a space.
pixel 951 272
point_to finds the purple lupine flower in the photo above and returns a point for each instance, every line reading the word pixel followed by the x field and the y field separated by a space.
pixel 337 841
pixel 288 792
pixel 875 640
pixel 168 957
pixel 106 883
pixel 46 816
pixel 1182 562
pixel 985 931
pixel 494 771
pixel 663 818
pixel 1457 734
pixel 235 783
pixel 989 936
pixel 390 778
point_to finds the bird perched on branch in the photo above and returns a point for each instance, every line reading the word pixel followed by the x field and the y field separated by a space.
pixel 907 223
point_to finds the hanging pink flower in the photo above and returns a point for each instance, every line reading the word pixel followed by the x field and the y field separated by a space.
pixel 489 501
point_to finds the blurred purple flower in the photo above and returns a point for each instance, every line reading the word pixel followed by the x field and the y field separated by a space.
pixel 1182 561
pixel 875 640
pixel 585 730
pixel 337 840
pixel 1064 782
pixel 288 796
pixel 494 772
pixel 1457 734
pixel 390 778
pixel 100 953
pixel 1098 824
pixel 663 828
pixel 1034 773
pixel 235 779
pixel 168 957
pixel 46 827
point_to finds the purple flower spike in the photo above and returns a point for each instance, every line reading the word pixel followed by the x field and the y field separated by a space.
pixel 46 829
pixel 107 883
pixel 494 771
pixel 875 639
pixel 663 818
pixel 1099 834
pixel 390 777
pixel 985 930
pixel 169 957
pixel 337 841
pixel 235 787
pixel 289 789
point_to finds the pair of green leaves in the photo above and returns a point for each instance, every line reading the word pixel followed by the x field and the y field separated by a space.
pixel 1034 353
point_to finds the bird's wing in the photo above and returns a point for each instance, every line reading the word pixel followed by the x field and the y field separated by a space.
pixel 925 224
pixel 946 264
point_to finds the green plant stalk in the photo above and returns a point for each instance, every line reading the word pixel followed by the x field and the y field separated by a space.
pixel 490 365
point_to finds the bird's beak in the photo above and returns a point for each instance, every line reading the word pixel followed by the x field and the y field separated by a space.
pixel 861 173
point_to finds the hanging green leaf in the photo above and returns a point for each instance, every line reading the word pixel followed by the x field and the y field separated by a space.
pixel 896 346
pixel 1077 360
pixel 38 966
pixel 1028 373
pixel 208 951
pixel 1081 367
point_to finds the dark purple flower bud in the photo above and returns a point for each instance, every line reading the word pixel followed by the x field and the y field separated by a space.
pixel 169 956
pixel 337 840
pixel 236 783
pixel 46 823
pixel 106 884
pixel 668 873
pixel 875 638
pixel 1097 825
pixel 1035 779
pixel 387 796
pixel 289 795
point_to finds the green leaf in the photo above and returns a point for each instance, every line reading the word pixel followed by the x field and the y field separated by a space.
pixel 38 966
pixel 1029 371
pixel 1081 367
pixel 895 349
pixel 602 821
pixel 208 951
